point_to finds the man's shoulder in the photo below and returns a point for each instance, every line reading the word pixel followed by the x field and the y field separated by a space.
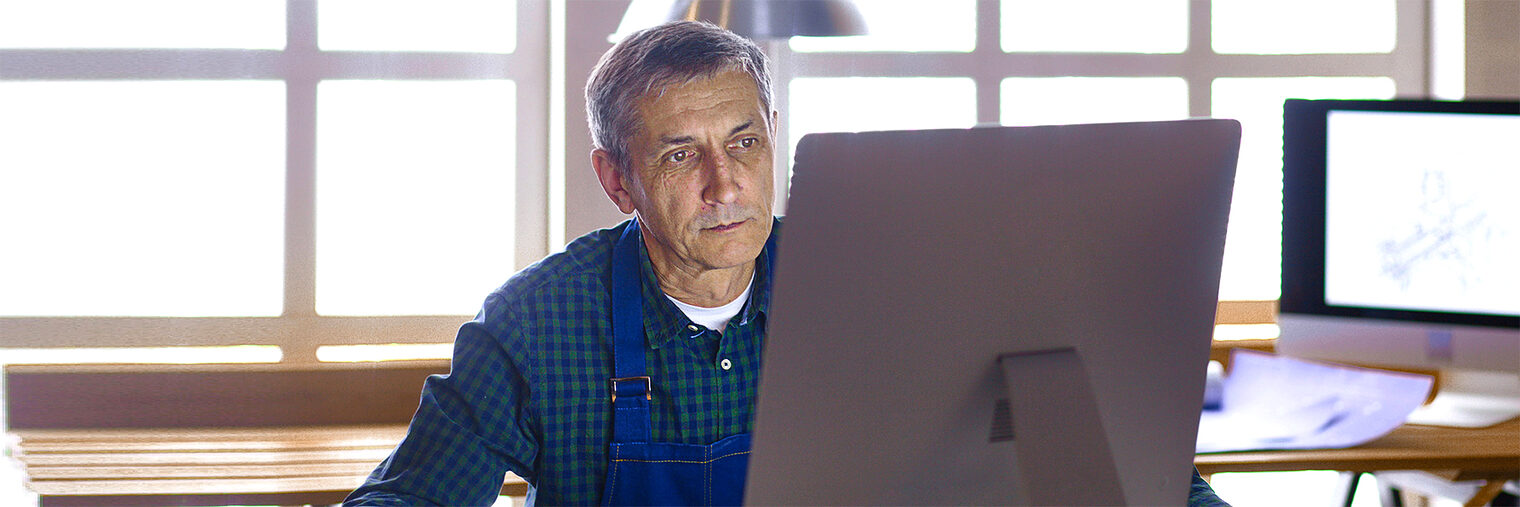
pixel 582 266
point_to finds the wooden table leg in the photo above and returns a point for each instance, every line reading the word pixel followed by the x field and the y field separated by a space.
pixel 1486 493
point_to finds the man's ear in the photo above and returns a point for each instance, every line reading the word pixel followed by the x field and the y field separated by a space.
pixel 613 180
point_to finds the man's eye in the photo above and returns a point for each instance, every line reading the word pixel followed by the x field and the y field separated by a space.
pixel 747 142
pixel 679 156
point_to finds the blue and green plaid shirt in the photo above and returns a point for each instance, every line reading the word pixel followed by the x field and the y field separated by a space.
pixel 528 391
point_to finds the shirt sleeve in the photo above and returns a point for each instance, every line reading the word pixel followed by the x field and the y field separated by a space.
pixel 1202 494
pixel 470 427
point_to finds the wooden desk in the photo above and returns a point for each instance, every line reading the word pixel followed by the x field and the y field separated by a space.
pixel 1488 454
pixel 208 434
pixel 189 466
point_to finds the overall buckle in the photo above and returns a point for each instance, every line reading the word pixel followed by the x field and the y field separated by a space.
pixel 648 386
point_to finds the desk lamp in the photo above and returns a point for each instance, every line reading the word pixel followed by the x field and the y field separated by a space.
pixel 753 19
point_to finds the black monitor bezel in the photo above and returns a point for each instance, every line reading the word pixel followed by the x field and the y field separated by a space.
pixel 1303 240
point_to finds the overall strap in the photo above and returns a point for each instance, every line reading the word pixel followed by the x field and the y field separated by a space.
pixel 630 384
pixel 770 257
pixel 770 270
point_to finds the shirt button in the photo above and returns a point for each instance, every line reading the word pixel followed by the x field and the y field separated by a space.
pixel 726 364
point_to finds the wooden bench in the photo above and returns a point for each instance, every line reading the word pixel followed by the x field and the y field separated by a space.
pixel 209 435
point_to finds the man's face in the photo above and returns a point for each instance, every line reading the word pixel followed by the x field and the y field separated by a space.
pixel 701 172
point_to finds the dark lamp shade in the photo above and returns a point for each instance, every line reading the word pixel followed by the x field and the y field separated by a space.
pixel 754 19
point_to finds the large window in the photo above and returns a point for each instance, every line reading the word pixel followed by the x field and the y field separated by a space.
pixel 263 179
pixel 1037 62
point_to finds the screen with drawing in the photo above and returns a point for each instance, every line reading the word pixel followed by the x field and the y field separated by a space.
pixel 1421 211
pixel 1401 227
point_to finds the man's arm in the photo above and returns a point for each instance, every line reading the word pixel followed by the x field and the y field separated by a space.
pixel 470 427
pixel 1202 494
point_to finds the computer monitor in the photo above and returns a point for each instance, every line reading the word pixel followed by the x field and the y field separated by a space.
pixel 1401 233
pixel 1005 315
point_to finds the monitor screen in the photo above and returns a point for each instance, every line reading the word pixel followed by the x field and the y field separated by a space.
pixel 1401 230
pixel 1403 210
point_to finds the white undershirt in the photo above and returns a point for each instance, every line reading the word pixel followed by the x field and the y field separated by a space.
pixel 715 318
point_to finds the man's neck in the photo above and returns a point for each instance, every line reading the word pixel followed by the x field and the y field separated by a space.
pixel 707 288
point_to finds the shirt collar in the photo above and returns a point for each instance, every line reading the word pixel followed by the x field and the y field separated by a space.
pixel 663 321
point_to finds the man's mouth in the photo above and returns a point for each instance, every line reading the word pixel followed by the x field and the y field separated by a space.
pixel 726 227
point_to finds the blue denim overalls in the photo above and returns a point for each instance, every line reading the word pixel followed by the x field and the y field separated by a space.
pixel 641 472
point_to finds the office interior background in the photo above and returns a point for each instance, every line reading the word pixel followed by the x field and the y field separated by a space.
pixel 305 181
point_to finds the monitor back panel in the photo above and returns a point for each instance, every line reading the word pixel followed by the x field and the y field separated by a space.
pixel 911 261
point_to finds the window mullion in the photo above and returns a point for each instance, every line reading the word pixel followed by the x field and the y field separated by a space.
pixel 988 86
pixel 1411 50
pixel 300 159
pixel 1200 42
pixel 529 69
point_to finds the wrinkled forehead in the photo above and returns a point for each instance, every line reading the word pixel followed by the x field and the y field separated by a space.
pixel 727 93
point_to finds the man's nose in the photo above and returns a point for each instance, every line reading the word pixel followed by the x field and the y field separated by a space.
pixel 721 185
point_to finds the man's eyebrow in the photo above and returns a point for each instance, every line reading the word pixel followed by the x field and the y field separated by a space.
pixel 741 128
pixel 670 140
pixel 667 140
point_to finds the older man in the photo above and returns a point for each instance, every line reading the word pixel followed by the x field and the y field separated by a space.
pixel 624 369
pixel 601 373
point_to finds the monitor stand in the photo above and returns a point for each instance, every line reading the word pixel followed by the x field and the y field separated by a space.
pixel 1471 399
pixel 1057 431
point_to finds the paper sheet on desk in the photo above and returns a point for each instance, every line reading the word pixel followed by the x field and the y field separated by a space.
pixel 1275 402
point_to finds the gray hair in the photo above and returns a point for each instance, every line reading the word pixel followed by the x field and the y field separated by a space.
pixel 653 58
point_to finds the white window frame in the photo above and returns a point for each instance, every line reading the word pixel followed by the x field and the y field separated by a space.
pixel 559 41
pixel 1198 65
pixel 299 330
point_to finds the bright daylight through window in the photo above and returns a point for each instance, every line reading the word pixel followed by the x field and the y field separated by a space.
pixel 307 174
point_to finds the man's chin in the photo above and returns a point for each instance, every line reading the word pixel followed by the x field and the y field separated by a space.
pixel 736 252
